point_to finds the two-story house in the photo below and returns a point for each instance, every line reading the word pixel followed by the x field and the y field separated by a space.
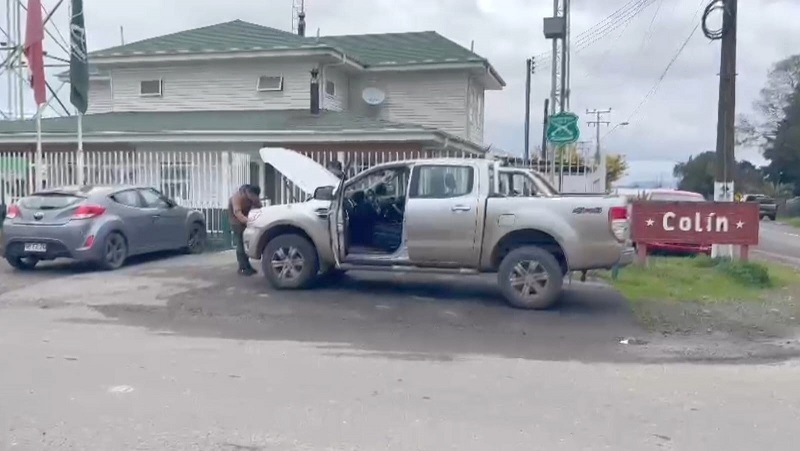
pixel 219 93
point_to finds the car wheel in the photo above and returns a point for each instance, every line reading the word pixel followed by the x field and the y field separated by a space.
pixel 197 239
pixel 289 261
pixel 772 218
pixel 530 278
pixel 23 263
pixel 115 251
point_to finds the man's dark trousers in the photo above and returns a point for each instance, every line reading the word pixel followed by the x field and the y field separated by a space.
pixel 241 256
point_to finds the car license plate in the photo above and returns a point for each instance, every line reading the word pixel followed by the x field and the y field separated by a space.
pixel 35 247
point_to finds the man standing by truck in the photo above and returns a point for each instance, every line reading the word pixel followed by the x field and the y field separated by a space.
pixel 239 206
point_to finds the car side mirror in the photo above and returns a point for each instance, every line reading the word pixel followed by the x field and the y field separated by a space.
pixel 324 193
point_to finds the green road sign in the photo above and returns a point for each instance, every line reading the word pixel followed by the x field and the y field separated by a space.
pixel 562 128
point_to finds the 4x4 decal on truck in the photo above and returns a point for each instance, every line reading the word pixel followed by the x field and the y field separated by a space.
pixel 587 210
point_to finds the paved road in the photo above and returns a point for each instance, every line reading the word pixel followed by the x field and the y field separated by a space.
pixel 780 242
pixel 181 354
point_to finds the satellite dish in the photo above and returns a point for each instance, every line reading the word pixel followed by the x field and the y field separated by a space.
pixel 373 96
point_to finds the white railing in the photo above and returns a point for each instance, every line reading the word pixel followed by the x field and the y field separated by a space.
pixel 578 171
pixel 199 180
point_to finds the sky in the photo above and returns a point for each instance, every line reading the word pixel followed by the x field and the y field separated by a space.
pixel 668 121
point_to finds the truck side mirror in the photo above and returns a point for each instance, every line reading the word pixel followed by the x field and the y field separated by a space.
pixel 324 193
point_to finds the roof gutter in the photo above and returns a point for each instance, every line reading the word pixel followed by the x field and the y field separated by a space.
pixel 121 59
pixel 438 65
pixel 256 136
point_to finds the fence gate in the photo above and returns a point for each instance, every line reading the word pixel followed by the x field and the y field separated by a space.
pixel 198 180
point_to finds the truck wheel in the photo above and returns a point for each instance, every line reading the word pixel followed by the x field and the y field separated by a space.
pixel 289 261
pixel 530 278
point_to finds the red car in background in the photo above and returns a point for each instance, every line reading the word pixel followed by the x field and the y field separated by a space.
pixel 668 195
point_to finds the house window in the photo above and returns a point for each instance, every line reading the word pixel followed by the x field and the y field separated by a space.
pixel 269 83
pixel 151 88
pixel 330 88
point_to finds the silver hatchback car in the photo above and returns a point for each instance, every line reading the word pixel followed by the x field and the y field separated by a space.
pixel 98 224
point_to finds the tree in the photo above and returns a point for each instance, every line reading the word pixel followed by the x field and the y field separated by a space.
pixel 782 147
pixel 783 81
pixel 616 168
pixel 697 174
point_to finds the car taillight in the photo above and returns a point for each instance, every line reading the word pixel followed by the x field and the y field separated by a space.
pixel 88 212
pixel 13 212
pixel 618 222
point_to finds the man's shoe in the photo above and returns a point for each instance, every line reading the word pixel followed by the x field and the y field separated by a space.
pixel 247 271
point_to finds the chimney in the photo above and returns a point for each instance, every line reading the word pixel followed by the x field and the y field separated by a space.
pixel 301 23
pixel 315 91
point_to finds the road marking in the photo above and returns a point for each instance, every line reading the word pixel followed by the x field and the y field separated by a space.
pixel 121 389
pixel 785 258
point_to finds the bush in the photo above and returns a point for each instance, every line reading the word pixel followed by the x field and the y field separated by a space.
pixel 746 273
pixel 704 261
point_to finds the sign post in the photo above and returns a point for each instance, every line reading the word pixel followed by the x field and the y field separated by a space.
pixel 697 223
pixel 562 128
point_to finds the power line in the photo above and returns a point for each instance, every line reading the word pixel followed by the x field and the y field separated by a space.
pixel 605 53
pixel 649 33
pixel 663 74
pixel 621 17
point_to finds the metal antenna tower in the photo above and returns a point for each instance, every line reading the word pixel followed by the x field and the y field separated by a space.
pixel 556 28
pixel 14 71
pixel 560 66
pixel 298 6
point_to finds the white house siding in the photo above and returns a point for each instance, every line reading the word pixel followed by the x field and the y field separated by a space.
pixel 428 98
pixel 475 98
pixel 100 100
pixel 339 100
pixel 213 86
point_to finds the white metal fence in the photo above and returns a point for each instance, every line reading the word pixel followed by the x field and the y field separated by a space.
pixel 573 171
pixel 199 180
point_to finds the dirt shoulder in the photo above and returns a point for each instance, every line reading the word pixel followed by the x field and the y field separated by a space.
pixel 701 296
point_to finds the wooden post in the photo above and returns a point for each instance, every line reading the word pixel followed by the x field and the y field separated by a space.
pixel 641 254
pixel 744 253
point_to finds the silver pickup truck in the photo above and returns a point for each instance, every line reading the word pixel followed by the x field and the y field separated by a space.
pixel 461 216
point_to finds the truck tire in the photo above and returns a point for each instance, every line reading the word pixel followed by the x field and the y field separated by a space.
pixel 530 278
pixel 289 262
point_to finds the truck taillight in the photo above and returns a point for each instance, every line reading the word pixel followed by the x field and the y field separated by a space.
pixel 618 222
pixel 88 212
pixel 13 212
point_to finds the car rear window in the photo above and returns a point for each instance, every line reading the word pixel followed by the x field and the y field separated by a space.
pixel 49 201
pixel 669 197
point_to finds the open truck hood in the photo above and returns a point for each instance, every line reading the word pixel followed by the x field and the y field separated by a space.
pixel 303 172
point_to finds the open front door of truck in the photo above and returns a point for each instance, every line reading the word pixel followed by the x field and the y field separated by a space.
pixel 337 224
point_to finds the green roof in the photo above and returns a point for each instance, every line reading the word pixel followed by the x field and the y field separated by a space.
pixel 402 48
pixel 220 121
pixel 369 49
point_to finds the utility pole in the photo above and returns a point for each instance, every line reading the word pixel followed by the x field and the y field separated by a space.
pixel 556 28
pixel 530 68
pixel 724 189
pixel 726 110
pixel 599 157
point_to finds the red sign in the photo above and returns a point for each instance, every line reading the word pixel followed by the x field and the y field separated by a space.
pixel 695 222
